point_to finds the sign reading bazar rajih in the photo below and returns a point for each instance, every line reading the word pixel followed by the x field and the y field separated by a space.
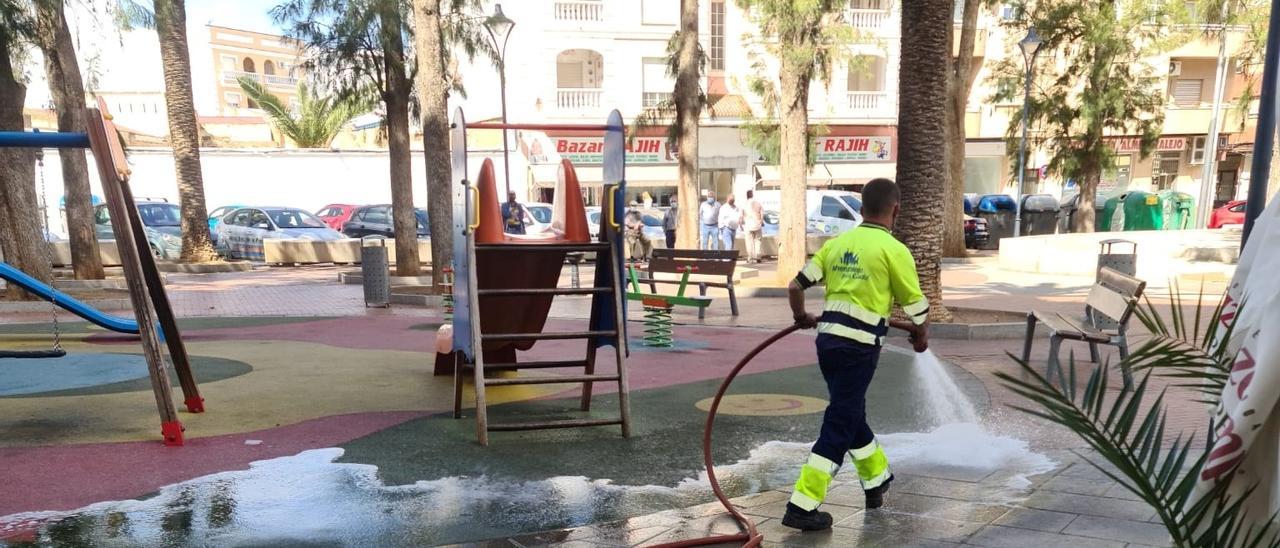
pixel 590 150
pixel 858 148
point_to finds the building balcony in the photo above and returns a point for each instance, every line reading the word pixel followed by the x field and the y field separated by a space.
pixel 1191 120
pixel 867 19
pixel 870 104
pixel 653 99
pixel 578 100
pixel 285 81
pixel 233 76
pixel 579 11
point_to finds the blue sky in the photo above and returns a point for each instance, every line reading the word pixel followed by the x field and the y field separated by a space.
pixel 240 14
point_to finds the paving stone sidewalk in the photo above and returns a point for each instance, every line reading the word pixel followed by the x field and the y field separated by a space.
pixel 1073 506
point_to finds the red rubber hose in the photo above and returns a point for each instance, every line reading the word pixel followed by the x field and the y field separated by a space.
pixel 750 537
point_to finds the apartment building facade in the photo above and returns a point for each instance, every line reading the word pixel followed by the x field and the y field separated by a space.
pixel 271 60
pixel 1185 76
pixel 572 61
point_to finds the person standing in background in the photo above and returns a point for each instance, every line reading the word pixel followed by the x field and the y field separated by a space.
pixel 512 215
pixel 670 222
pixel 730 220
pixel 709 216
pixel 638 246
pixel 753 224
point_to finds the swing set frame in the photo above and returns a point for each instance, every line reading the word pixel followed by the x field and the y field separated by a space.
pixel 156 321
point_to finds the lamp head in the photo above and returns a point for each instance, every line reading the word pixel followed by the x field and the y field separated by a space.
pixel 498 23
pixel 1031 43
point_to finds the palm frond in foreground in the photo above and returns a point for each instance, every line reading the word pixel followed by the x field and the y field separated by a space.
pixel 1133 442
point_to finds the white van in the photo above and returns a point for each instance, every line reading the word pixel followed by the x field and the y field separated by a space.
pixel 828 211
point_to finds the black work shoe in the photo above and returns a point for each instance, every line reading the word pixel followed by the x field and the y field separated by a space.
pixel 875 497
pixel 812 520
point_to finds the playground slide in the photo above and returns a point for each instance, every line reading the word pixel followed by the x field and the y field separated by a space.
pixel 106 321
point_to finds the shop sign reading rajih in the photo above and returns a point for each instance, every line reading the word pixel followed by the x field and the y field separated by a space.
pixel 853 149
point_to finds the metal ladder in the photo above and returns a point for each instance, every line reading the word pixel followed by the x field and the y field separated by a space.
pixel 478 367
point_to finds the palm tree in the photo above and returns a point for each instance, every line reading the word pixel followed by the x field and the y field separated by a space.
pixel 689 100
pixel 314 121
pixel 959 83
pixel 806 38
pixel 922 144
pixel 440 28
pixel 354 46
pixel 433 95
pixel 20 238
pixel 184 134
pixel 67 88
pixel 1162 470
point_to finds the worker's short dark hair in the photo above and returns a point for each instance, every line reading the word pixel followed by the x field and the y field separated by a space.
pixel 750 194
pixel 879 196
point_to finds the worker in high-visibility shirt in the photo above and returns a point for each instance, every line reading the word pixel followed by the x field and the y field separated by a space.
pixel 864 271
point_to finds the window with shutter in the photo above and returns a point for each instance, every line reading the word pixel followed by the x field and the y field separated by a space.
pixel 1187 92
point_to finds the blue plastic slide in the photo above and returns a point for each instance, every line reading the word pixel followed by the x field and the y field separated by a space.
pixel 106 321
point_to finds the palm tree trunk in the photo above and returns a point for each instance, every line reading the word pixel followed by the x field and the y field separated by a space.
pixel 433 94
pixel 958 88
pixel 404 221
pixel 922 141
pixel 184 131
pixel 65 85
pixel 688 109
pixel 793 79
pixel 20 237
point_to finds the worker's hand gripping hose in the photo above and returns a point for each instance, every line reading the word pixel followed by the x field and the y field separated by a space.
pixel 749 537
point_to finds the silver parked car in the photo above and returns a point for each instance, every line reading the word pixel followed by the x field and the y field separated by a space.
pixel 241 232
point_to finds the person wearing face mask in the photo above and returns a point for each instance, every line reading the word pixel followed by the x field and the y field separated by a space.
pixel 709 217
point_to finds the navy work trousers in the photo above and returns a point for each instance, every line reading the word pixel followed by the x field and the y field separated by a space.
pixel 847 367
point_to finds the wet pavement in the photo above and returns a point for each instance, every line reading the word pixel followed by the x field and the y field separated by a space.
pixel 326 429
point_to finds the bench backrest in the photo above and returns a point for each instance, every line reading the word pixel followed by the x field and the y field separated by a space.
pixel 1114 296
pixel 706 261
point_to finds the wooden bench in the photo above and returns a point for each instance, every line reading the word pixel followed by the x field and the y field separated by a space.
pixel 1113 298
pixel 703 261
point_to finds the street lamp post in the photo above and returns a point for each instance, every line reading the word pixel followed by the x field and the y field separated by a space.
pixel 499 25
pixel 1029 46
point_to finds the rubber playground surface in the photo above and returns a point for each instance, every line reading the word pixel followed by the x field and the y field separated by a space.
pixel 333 431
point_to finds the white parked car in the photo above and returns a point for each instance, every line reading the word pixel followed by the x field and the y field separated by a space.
pixel 828 211
pixel 241 232
pixel 539 218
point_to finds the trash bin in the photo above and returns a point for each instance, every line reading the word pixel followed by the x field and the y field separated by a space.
pixel 1177 208
pixel 376 272
pixel 1125 263
pixel 1067 213
pixel 1142 211
pixel 1110 214
pixel 1000 211
pixel 1039 214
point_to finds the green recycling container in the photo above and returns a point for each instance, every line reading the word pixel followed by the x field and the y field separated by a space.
pixel 1142 211
pixel 1103 221
pixel 1178 209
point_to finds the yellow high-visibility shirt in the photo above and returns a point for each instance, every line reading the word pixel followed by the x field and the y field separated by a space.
pixel 864 271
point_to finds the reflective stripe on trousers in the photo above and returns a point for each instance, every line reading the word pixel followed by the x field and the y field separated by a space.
pixel 872 465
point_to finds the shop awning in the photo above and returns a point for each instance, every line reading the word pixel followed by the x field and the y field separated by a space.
pixel 861 173
pixel 637 175
pixel 768 175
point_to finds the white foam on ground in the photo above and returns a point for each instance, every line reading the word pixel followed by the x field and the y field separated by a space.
pixel 310 497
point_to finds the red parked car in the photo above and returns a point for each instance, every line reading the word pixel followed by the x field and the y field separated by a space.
pixel 336 215
pixel 1230 214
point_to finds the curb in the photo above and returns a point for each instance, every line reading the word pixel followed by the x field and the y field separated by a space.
pixel 43 306
pixel 204 268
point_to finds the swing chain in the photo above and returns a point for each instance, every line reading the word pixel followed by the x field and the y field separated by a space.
pixel 48 255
